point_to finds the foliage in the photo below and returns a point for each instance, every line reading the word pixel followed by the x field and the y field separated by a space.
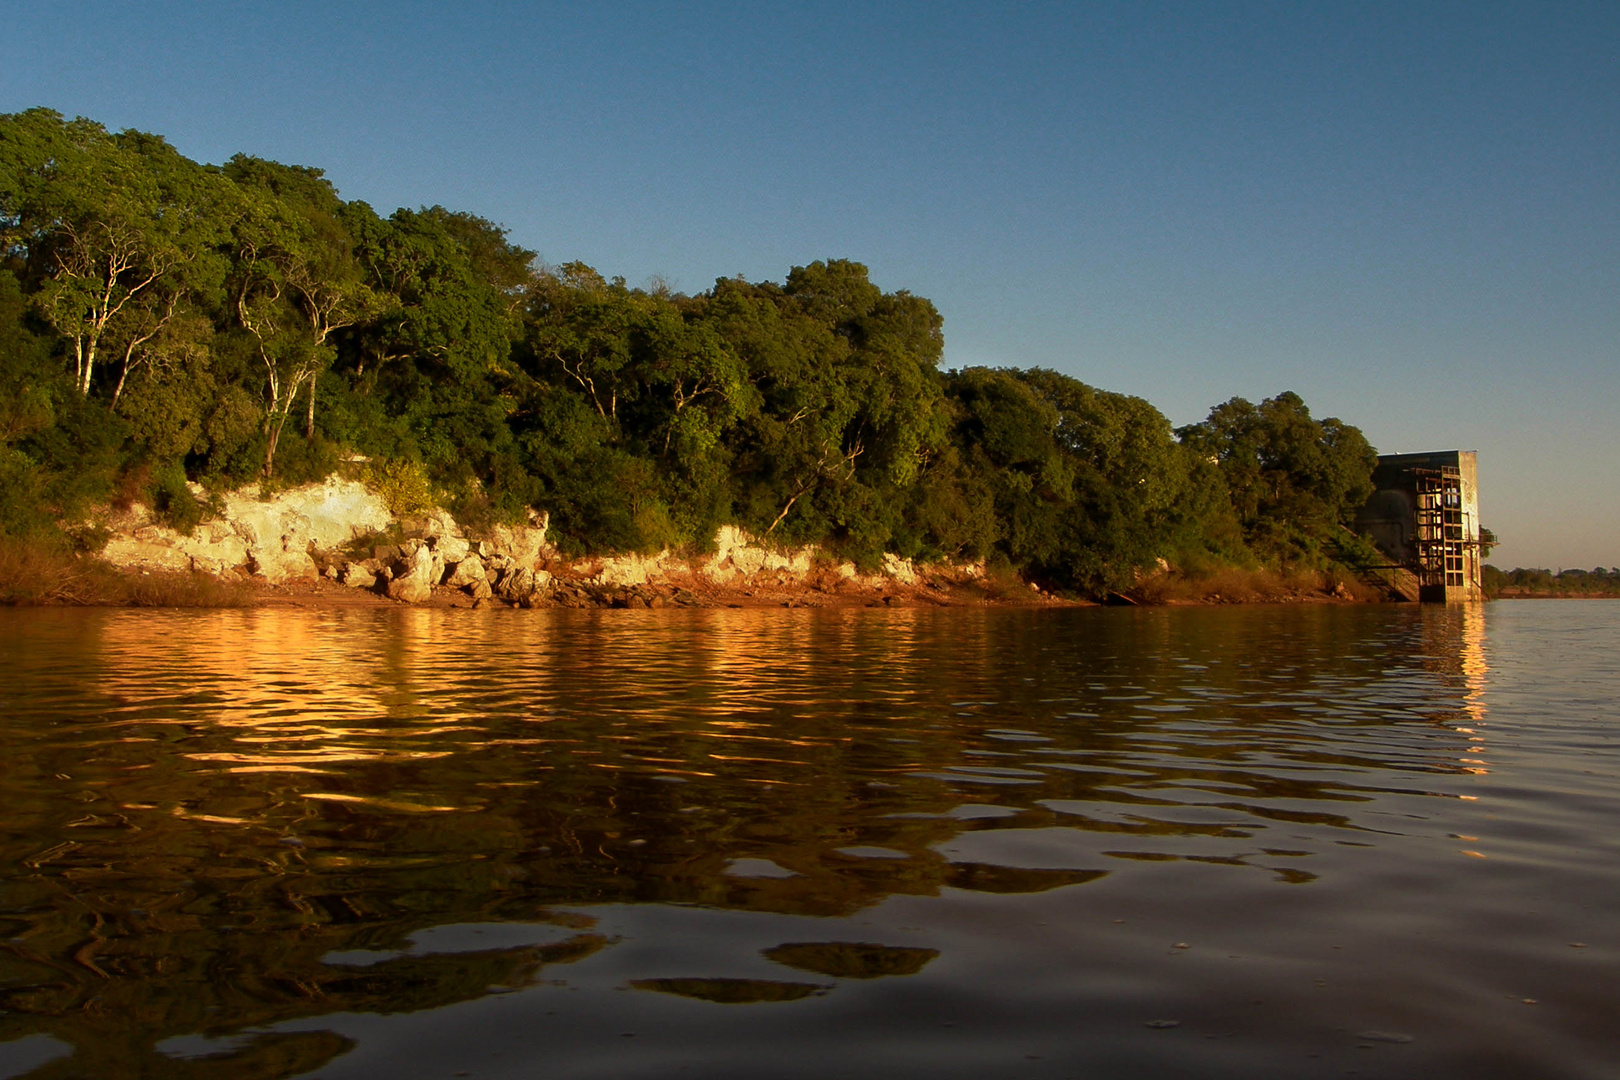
pixel 403 485
pixel 1539 582
pixel 172 500
pixel 164 323
pixel 1293 481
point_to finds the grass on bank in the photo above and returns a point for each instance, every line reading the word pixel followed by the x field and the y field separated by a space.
pixel 37 573
pixel 1239 585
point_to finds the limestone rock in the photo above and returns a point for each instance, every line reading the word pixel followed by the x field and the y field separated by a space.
pixel 515 584
pixel 279 533
pixel 439 525
pixel 899 569
pixel 728 537
pixel 465 572
pixel 630 570
pixel 523 544
pixel 358 576
pixel 718 573
pixel 147 553
pixel 413 581
pixel 453 549
pixel 521 585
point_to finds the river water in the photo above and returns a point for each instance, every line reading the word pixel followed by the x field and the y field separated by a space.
pixel 1234 842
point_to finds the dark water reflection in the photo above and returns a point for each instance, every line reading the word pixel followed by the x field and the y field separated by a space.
pixel 801 843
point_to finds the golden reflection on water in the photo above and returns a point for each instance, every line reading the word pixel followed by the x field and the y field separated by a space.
pixel 1454 648
pixel 200 807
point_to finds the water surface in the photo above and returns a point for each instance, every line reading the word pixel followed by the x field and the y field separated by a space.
pixel 944 842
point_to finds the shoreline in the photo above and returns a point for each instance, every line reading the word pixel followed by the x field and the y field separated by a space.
pixel 690 588
pixel 339 544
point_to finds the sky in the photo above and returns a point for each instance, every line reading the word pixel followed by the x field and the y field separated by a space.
pixel 1407 213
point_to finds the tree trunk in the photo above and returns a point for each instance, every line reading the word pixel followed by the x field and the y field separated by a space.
pixel 270 449
pixel 309 417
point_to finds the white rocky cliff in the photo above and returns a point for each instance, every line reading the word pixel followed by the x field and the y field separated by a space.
pixel 342 531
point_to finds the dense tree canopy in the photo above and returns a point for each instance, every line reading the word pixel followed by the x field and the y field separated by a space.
pixel 165 322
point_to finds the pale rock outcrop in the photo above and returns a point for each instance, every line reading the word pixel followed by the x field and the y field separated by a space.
pixel 736 554
pixel 797 563
pixel 899 569
pixel 413 581
pixel 280 531
pixel 439 523
pixel 625 571
pixel 305 532
pixel 272 537
pixel 148 549
pixel 466 571
pixel 521 585
pixel 452 549
pixel 523 544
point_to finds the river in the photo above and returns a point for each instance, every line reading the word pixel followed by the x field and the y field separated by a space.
pixel 1216 842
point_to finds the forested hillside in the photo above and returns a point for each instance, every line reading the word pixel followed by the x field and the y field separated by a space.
pixel 164 321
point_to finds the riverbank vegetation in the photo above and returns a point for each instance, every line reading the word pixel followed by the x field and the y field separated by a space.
pixel 35 571
pixel 1521 582
pixel 166 324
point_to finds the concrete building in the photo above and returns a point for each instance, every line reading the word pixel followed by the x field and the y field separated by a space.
pixel 1424 516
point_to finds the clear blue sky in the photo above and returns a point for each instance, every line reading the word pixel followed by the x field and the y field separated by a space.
pixel 1408 213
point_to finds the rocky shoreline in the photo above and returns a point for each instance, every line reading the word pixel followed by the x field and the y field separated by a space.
pixel 337 543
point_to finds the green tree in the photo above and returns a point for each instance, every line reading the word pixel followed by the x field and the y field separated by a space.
pixel 296 280
pixel 1295 482
pixel 115 228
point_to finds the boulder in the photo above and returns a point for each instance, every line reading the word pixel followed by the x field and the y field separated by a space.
pixel 728 537
pixel 899 569
pixel 452 549
pixel 413 580
pixel 516 584
pixel 466 571
pixel 439 525
pixel 357 576
pixel 523 544
pixel 522 585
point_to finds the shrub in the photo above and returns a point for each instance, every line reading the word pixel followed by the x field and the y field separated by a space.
pixel 403 485
pixel 172 500
pixel 36 571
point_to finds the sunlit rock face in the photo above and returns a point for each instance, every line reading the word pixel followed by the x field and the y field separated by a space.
pixel 739 555
pixel 342 530
pixel 414 582
pixel 272 537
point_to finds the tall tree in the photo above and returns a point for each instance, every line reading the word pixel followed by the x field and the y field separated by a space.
pixel 115 228
pixel 1295 481
pixel 297 280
